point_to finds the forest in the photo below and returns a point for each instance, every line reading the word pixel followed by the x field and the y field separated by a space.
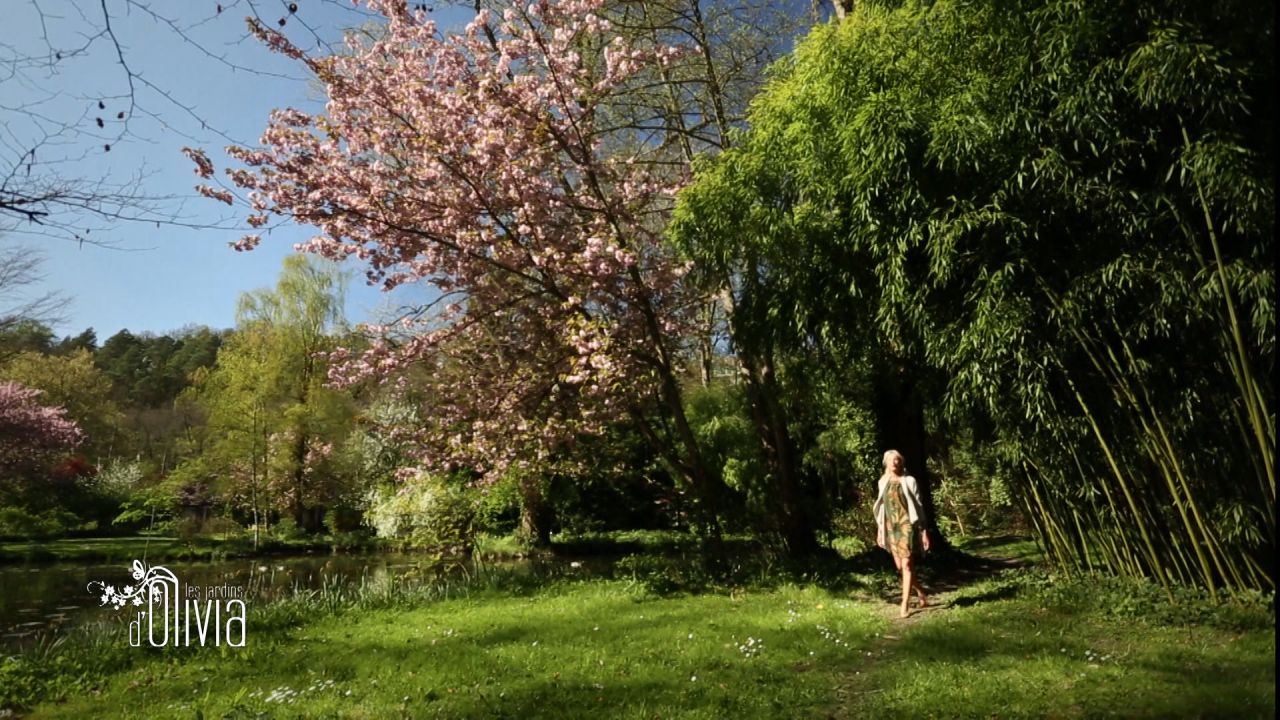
pixel 690 281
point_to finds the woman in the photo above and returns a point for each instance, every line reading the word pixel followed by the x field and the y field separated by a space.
pixel 898 513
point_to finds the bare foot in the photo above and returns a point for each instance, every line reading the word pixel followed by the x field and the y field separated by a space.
pixel 905 612
pixel 924 602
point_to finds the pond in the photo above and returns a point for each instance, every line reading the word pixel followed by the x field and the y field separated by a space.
pixel 40 600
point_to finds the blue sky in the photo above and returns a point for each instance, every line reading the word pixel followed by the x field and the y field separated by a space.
pixel 159 278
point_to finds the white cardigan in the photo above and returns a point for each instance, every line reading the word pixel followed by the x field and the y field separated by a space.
pixel 911 491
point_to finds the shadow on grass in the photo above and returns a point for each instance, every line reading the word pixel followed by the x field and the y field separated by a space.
pixel 944 571
pixel 999 593
pixel 993 542
pixel 672 568
pixel 1019 659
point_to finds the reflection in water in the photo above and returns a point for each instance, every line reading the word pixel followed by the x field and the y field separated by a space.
pixel 37 600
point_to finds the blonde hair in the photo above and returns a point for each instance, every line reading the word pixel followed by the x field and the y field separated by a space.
pixel 889 455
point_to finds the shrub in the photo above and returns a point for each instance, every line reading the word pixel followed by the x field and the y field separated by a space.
pixel 223 526
pixel 288 529
pixel 427 512
pixel 22 523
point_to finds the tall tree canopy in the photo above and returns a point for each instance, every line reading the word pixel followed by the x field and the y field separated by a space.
pixel 271 421
pixel 1065 210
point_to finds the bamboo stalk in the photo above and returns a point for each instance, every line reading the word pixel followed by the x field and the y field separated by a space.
pixel 1084 541
pixel 1255 403
pixel 1047 517
pixel 1152 555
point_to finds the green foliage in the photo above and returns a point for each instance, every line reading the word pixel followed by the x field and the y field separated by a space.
pixel 1011 646
pixel 145 507
pixel 119 478
pixel 539 638
pixel 1146 602
pixel 19 335
pixel 1062 210
pixel 498 505
pixel 613 481
pixel 721 421
pixel 268 443
pixel 148 371
pixel 854 529
pixel 428 512
pixel 19 522
pixel 974 494
pixel 74 383
pixel 63 666
pixel 287 529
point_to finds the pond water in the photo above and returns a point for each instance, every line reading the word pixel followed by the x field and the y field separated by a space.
pixel 37 600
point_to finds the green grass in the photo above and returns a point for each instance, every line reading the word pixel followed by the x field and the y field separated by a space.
pixel 585 649
pixel 772 643
pixel 1030 654
pixel 489 545
pixel 1018 549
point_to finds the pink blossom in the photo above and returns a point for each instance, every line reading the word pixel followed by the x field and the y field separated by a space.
pixel 28 430
pixel 475 163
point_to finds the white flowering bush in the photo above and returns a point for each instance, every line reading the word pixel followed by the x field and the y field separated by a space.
pixel 425 511
pixel 118 478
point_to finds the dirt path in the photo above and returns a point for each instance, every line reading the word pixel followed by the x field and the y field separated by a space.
pixel 942 579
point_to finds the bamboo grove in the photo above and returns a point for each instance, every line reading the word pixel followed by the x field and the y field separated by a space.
pixel 1059 214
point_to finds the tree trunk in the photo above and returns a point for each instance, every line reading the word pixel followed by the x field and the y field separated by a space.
pixel 902 428
pixel 536 515
pixel 299 479
pixel 778 448
pixel 770 420
pixel 706 348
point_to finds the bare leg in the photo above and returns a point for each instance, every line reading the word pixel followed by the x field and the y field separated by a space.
pixel 908 581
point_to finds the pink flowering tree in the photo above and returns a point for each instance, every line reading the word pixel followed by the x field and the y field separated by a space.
pixel 30 433
pixel 488 164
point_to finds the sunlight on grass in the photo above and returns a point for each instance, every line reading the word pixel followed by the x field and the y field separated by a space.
pixel 575 650
pixel 506 642
pixel 999 651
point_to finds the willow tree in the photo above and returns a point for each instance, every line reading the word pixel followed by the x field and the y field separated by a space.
pixel 1062 208
pixel 272 422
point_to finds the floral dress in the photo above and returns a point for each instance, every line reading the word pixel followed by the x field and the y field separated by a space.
pixel 899 535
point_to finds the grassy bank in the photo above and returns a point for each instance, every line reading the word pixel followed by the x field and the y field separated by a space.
pixel 753 641
pixel 159 548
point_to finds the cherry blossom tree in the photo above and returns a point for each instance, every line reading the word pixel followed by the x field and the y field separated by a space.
pixel 29 431
pixel 485 164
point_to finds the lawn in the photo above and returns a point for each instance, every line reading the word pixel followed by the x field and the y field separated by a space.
pixel 590 649
pixel 1013 642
